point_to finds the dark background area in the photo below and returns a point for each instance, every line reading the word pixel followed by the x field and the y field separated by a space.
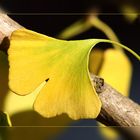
pixel 34 14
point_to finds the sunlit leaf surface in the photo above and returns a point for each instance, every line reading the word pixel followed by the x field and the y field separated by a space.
pixel 35 58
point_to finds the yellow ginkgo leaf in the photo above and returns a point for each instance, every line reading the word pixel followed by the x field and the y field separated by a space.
pixel 35 58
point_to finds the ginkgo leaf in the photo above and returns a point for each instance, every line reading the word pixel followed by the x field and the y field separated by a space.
pixel 35 58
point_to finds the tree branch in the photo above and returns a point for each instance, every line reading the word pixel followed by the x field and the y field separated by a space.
pixel 116 110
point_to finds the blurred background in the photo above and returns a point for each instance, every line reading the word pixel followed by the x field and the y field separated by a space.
pixel 50 17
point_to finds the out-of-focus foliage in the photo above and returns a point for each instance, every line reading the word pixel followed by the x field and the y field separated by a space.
pixel 4 119
pixel 3 78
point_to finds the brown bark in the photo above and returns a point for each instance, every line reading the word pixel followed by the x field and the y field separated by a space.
pixel 116 110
